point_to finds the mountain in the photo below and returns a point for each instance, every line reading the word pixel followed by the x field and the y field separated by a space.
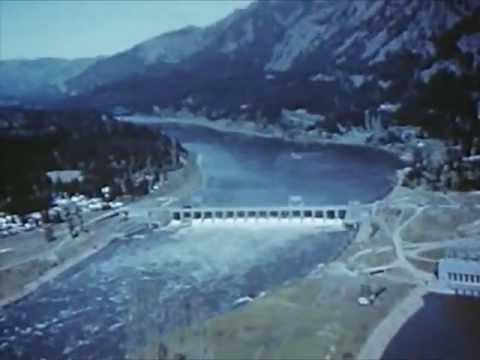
pixel 152 57
pixel 335 58
pixel 325 56
pixel 20 79
pixel 165 49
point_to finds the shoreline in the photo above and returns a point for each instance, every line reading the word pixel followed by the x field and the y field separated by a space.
pixel 188 186
pixel 378 340
pixel 248 128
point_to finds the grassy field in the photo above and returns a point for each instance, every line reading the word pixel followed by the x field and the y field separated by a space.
pixel 312 319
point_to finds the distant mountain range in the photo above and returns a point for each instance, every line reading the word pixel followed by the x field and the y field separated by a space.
pixel 329 57
pixel 39 79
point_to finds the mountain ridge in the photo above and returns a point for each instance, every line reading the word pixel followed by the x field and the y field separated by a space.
pixel 327 57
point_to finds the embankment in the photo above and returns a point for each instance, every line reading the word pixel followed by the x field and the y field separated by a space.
pixel 385 331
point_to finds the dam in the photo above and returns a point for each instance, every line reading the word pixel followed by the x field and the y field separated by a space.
pixel 334 215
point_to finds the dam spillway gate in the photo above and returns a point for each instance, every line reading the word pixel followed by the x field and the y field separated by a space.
pixel 318 215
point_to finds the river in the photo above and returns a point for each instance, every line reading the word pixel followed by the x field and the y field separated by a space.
pixel 129 293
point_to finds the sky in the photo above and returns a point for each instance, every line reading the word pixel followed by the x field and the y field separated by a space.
pixel 88 28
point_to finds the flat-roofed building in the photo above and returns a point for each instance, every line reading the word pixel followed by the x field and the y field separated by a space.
pixel 460 275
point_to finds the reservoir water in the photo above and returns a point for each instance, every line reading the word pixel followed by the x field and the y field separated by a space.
pixel 446 327
pixel 246 170
pixel 129 293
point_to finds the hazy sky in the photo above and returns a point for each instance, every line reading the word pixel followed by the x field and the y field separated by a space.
pixel 85 28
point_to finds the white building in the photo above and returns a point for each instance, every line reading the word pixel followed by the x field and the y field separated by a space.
pixel 460 275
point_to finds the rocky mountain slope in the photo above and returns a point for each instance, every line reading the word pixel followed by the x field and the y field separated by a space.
pixel 335 58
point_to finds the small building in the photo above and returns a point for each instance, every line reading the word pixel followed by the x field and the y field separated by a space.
pixel 460 274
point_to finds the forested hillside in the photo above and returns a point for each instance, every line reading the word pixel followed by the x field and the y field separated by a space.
pixel 105 152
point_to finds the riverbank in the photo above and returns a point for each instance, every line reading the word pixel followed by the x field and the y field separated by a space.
pixel 224 125
pixel 24 277
pixel 252 129
pixel 433 150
